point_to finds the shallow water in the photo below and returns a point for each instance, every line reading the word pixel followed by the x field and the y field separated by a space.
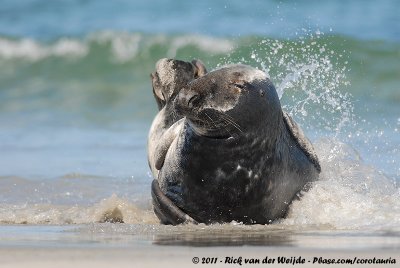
pixel 76 106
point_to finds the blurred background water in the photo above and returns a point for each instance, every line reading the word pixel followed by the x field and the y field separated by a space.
pixel 76 101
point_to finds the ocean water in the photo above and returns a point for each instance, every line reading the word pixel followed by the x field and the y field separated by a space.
pixel 76 105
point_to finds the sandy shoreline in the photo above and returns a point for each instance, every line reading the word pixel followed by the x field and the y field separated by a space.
pixel 146 256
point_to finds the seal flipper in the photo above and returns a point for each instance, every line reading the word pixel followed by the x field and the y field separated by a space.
pixel 305 145
pixel 165 142
pixel 165 209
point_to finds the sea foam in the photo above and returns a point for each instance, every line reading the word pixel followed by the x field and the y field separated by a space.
pixel 349 194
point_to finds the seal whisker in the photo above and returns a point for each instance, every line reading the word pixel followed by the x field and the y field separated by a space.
pixel 216 123
pixel 212 121
pixel 230 121
pixel 224 123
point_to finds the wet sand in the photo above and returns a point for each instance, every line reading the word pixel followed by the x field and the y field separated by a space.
pixel 124 245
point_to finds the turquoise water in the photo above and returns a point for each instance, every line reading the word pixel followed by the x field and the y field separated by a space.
pixel 76 101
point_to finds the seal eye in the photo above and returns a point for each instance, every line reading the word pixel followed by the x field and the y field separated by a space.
pixel 262 93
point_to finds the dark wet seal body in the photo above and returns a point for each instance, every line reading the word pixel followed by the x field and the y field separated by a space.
pixel 234 155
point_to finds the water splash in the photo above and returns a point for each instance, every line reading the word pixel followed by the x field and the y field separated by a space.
pixel 310 78
pixel 350 194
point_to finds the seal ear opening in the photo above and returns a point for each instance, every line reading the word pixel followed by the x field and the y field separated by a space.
pixel 200 69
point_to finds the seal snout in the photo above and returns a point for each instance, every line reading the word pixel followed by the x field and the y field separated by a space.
pixel 187 99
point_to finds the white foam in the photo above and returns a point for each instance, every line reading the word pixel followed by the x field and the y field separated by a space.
pixel 124 46
pixel 110 209
pixel 29 49
pixel 205 43
pixel 349 194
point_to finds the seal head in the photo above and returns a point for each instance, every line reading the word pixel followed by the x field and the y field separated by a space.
pixel 228 102
pixel 171 75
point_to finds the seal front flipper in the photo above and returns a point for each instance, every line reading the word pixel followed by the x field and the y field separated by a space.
pixel 305 145
pixel 165 142
pixel 165 209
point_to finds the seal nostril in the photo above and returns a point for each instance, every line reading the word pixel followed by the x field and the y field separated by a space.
pixel 193 100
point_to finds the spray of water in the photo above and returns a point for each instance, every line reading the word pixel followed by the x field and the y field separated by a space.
pixel 310 78
pixel 311 81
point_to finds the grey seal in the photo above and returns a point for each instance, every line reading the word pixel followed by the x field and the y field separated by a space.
pixel 170 76
pixel 231 154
